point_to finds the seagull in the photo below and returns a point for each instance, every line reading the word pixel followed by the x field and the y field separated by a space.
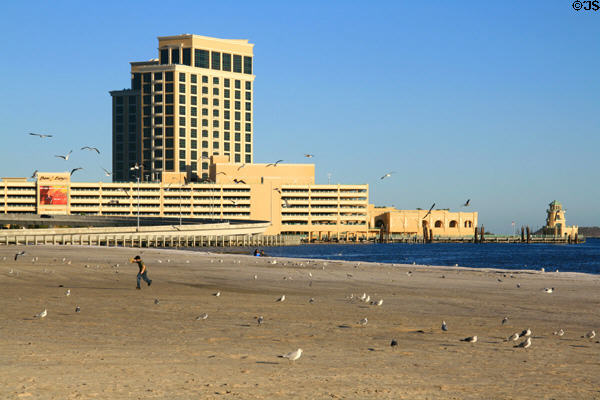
pixel 107 172
pixel 504 320
pixel 277 190
pixel 275 163
pixel 526 332
pixel 524 344
pixel 444 326
pixel 292 356
pixel 40 135
pixel 65 157
pixel 388 175
pixel 217 294
pixel 429 212
pixel 518 285
pixel 367 299
pixel 75 170
pixel 240 167
pixel 363 297
pixel 260 320
pixel 559 332
pixel 470 339
pixel 363 321
pixel 309 155
pixel 467 203
pixel 34 174
pixel 380 302
pixel 255 277
pixel 590 335
pixel 394 343
pixel 233 202
pixel 548 290
pixel 202 316
pixel 239 181
pixel 285 203
pixel 91 149
pixel 156 301
pixel 42 314
pixel 68 292
pixel 513 337
pixel 77 309
pixel 311 300
pixel 219 173
pixel 135 166
pixel 21 253
pixel 281 299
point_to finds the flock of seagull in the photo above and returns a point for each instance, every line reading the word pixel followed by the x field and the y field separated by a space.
pixel 66 156
pixel 364 298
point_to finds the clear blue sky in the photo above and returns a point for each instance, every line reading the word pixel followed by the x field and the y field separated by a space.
pixel 493 101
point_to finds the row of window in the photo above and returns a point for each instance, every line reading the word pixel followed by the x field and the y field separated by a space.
pixel 206 59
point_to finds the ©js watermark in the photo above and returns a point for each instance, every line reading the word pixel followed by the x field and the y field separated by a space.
pixel 588 5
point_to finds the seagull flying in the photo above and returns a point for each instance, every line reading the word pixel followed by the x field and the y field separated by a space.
pixel 107 172
pixel 40 135
pixel 75 170
pixel 241 166
pixel 239 181
pixel 309 155
pixel 34 174
pixel 467 203
pixel 292 356
pixel 388 175
pixel 21 253
pixel 524 344
pixel 281 299
pixel 42 314
pixel 275 163
pixel 429 212
pixel 285 203
pixel 470 339
pixel 65 157
pixel 91 149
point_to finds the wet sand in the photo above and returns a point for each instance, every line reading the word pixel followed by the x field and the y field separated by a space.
pixel 122 345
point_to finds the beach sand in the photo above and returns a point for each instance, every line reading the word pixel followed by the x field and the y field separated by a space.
pixel 123 345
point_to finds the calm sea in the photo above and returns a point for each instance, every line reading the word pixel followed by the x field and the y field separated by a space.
pixel 577 258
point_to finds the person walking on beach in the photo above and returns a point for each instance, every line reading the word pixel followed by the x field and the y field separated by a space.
pixel 142 274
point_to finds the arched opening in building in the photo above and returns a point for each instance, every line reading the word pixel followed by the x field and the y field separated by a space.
pixel 468 224
pixel 438 224
pixel 453 224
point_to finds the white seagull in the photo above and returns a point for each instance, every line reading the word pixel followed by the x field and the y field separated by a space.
pixel 444 326
pixel 470 339
pixel 260 320
pixel 526 332
pixel 548 290
pixel 309 155
pixel 363 321
pixel 202 316
pixel 107 172
pixel 42 314
pixel 292 356
pixel 68 292
pixel 513 337
pixel 65 157
pixel 75 170
pixel 217 294
pixel 281 299
pixel 590 334
pixel 40 135
pixel 559 332
pixel 275 163
pixel 388 175
pixel 91 149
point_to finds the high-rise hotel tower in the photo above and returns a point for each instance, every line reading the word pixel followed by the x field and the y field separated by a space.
pixel 193 102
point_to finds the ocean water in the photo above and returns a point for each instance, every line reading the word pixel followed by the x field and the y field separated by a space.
pixel 583 257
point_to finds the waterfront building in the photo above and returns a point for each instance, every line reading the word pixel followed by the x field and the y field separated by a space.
pixel 556 223
pixel 192 102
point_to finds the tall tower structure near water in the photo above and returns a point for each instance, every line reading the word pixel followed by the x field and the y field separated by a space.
pixel 192 102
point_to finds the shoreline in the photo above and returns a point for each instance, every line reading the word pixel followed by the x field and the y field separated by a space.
pixel 123 344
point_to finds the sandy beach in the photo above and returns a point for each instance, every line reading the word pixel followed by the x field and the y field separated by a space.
pixel 122 345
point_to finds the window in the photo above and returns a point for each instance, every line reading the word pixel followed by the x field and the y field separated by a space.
pixel 205 111
pixel 248 106
pixel 215 145
pixel 136 81
pixel 169 109
pixel 119 100
pixel 169 87
pixel 158 87
pixel 216 102
pixel 146 88
pixel 147 77
pixel 158 142
pixel 204 90
pixel 169 76
pixel 237 147
pixel 158 76
pixel 226 82
pixel 237 158
pixel 237 115
pixel 248 85
pixel 187 57
pixel 169 164
pixel 164 56
pixel 194 89
pixel 248 158
pixel 194 78
pixel 169 131
pixel 169 143
pixel 226 62
pixel 174 56
pixel 226 125
pixel 215 134
pixel 237 63
pixel 248 127
pixel 238 84
pixel 194 133
pixel 201 58
pixel 237 105
pixel 181 132
pixel 248 116
pixel 237 136
pixel 248 65
pixel 216 112
pixel 216 91
pixel 194 144
pixel 453 224
pixel 238 95
pixel 147 110
pixel 182 87
pixel 194 122
pixel 438 224
pixel 169 120
pixel 215 60
pixel 158 98
pixel 194 100
pixel 204 122
pixel 248 148
pixel 248 137
pixel 205 101
pixel 182 145
pixel 227 136
pixel 204 133
pixel 147 99
pixel 468 224
pixel 181 120
pixel 194 111
pixel 226 114
pixel 194 155
pixel 204 79
pixel 169 98
pixel 226 103
pixel 182 110
pixel 158 153
pixel 226 147
pixel 205 144
pixel 182 98
pixel 226 93
pixel 182 166
pixel 215 123
pixel 158 120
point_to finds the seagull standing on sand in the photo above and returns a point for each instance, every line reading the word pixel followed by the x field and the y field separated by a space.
pixel 504 320
pixel 42 314
pixel 590 335
pixel 292 356
pixel 444 326
pixel 394 343
pixel 77 309
pixel 202 316
pixel 470 339
pixel 559 332
pixel 260 320
pixel 281 299
pixel 68 292
pixel 526 332
pixel 513 337
pixel 363 321
pixel 548 290
pixel 525 344
pixel 65 157
pixel 21 253
pixel 217 294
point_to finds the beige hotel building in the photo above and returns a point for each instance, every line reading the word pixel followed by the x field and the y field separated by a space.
pixel 192 102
